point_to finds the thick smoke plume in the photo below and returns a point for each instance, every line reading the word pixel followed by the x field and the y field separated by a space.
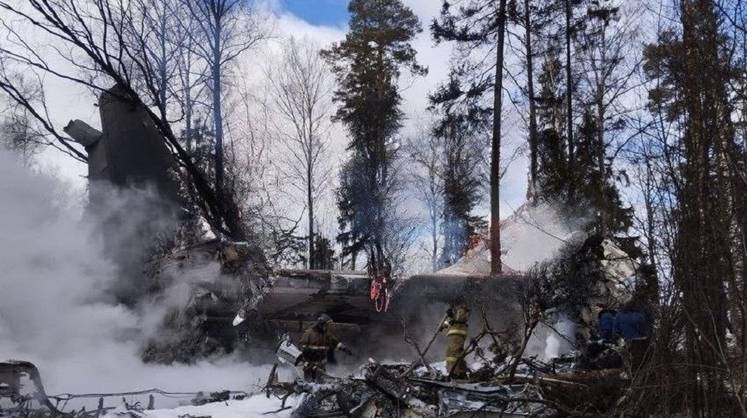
pixel 57 308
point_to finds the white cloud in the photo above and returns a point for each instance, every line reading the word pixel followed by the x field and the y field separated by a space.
pixel 425 9
pixel 291 25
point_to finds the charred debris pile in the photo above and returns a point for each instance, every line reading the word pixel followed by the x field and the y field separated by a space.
pixel 509 371
pixel 225 283
pixel 592 284
pixel 536 389
pixel 237 305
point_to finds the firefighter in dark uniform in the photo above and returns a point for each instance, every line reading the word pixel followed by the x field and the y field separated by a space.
pixel 455 325
pixel 318 345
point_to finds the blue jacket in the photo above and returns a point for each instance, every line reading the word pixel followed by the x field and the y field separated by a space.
pixel 626 324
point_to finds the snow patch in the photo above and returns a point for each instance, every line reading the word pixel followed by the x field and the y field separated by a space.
pixel 254 406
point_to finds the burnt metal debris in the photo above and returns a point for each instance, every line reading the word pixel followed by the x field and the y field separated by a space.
pixel 583 382
pixel 241 308
pixel 389 390
pixel 22 395
pixel 14 377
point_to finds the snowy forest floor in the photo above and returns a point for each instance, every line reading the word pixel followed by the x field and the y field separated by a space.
pixel 257 405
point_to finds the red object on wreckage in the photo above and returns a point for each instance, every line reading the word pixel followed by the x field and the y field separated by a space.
pixel 380 293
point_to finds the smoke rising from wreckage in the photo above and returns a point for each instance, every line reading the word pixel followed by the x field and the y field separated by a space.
pixel 287 300
pixel 628 118
pixel 237 306
pixel 221 281
pixel 419 392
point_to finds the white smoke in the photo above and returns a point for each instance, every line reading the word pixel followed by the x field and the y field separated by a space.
pixel 552 339
pixel 533 234
pixel 565 331
pixel 55 309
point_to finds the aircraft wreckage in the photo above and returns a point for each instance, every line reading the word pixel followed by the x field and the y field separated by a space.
pixel 233 306
pixel 578 383
pixel 129 151
pixel 285 300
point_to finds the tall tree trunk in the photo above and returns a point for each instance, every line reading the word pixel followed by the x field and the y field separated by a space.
pixel 380 179
pixel 601 156
pixel 188 121
pixel 310 202
pixel 218 115
pixel 185 79
pixel 434 240
pixel 228 210
pixel 162 66
pixel 569 96
pixel 703 231
pixel 739 182
pixel 495 161
pixel 530 96
pixel 600 116
pixel 432 209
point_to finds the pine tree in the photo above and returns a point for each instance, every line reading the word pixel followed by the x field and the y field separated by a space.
pixel 323 255
pixel 693 73
pixel 367 65
pixel 607 73
pixel 461 187
pixel 477 25
pixel 552 154
pixel 578 183
pixel 596 190
pixel 355 202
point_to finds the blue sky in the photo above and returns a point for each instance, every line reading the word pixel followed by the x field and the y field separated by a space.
pixel 319 12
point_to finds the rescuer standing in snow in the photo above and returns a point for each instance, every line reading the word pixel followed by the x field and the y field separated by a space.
pixel 455 325
pixel 318 345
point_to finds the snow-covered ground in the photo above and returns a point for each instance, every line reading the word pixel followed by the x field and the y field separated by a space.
pixel 254 406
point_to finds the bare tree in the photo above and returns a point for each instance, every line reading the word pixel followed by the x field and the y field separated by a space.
pixel 425 151
pixel 301 85
pixel 251 168
pixel 95 40
pixel 228 28
pixel 153 29
pixel 26 99
pixel 20 130
pixel 166 36
pixel 18 135
pixel 191 73
pixel 610 67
